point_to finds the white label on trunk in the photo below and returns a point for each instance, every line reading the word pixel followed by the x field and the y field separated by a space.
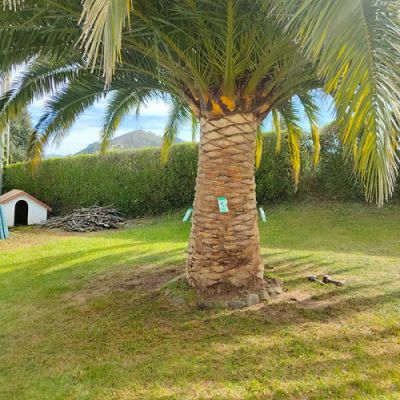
pixel 223 205
pixel 187 214
pixel 263 215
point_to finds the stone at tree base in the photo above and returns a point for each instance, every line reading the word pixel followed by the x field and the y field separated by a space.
pixel 236 304
pixel 273 286
pixel 252 299
pixel 278 290
pixel 274 282
pixel 264 295
pixel 205 305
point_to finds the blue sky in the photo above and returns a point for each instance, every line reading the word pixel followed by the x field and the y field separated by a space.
pixel 153 118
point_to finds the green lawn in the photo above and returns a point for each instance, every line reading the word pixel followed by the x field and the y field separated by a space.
pixel 81 316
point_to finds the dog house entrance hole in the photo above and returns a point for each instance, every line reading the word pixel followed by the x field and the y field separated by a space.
pixel 21 213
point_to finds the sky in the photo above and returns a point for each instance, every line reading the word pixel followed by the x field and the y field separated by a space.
pixel 153 118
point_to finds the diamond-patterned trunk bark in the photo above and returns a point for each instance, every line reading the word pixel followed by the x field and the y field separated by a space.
pixel 224 247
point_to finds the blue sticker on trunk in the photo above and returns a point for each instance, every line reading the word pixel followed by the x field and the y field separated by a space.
pixel 223 205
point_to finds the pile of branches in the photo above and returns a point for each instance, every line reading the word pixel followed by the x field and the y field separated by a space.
pixel 90 219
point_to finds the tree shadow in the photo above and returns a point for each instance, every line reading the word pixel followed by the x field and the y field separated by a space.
pixel 56 274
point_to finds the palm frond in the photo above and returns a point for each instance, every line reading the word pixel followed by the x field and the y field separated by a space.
pixel 102 25
pixel 195 126
pixel 315 134
pixel 259 146
pixel 178 115
pixel 12 4
pixel 40 78
pixel 311 110
pixel 355 47
pixel 278 130
pixel 62 110
pixel 294 133
pixel 35 149
pixel 38 28
pixel 229 76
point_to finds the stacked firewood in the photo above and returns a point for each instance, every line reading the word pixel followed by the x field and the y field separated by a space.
pixel 90 219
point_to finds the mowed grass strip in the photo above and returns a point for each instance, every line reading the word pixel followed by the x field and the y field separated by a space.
pixel 82 316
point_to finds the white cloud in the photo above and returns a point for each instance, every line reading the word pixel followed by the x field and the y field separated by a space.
pixel 155 108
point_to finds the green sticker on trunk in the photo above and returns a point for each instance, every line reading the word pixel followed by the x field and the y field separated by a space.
pixel 187 214
pixel 263 215
pixel 223 205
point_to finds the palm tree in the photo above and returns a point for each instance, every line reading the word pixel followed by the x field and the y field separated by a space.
pixel 230 64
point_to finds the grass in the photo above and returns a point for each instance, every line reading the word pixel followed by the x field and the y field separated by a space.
pixel 80 316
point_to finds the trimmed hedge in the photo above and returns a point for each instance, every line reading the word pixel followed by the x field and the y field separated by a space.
pixel 335 178
pixel 273 177
pixel 136 183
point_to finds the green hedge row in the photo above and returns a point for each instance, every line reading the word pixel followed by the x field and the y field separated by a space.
pixel 335 178
pixel 137 183
pixel 134 182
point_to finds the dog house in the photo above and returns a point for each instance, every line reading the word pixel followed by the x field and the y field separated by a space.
pixel 20 208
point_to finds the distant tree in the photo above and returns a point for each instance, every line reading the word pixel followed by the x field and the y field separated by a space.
pixel 14 141
pixel 20 131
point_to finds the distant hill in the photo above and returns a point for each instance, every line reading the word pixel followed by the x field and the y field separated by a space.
pixel 131 140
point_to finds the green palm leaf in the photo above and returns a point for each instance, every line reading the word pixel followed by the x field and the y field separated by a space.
pixel 103 22
pixel 311 111
pixel 178 115
pixel 290 117
pixel 62 110
pixel 278 130
pixel 40 78
pixel 259 147
pixel 355 46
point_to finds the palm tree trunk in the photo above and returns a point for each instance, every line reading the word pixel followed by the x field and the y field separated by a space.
pixel 224 247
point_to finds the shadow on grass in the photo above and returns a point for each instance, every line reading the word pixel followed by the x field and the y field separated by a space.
pixel 53 275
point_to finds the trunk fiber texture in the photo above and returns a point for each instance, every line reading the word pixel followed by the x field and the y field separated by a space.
pixel 224 247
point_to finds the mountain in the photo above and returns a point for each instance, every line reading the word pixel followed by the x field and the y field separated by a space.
pixel 131 140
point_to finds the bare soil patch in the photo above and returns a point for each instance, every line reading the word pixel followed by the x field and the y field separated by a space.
pixel 171 282
pixel 144 279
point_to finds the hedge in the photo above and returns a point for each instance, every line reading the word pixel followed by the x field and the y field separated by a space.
pixel 134 182
pixel 137 183
pixel 335 178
